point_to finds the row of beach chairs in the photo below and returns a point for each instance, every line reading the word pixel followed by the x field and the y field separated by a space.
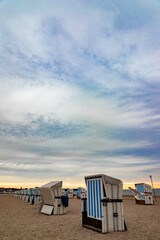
pixel 80 193
pixel 31 195
pixel 102 204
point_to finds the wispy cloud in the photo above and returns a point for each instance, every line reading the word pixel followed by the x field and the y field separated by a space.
pixel 79 88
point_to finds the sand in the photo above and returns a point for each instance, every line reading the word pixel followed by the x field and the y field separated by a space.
pixel 21 221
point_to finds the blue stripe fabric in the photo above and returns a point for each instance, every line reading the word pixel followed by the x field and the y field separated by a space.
pixel 97 199
pixel 140 188
pixel 91 198
pixel 100 198
pixel 94 198
pixel 35 193
pixel 79 192
pixel 94 194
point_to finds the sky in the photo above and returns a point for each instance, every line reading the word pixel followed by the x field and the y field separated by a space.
pixel 79 91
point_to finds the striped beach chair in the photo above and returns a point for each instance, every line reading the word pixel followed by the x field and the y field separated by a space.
pixel 143 194
pixel 31 198
pixel 102 210
pixel 30 195
pixel 26 195
pixel 70 193
pixel 82 193
pixel 37 196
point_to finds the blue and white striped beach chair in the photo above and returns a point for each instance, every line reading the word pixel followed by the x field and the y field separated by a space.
pixel 70 193
pixel 143 194
pixel 81 193
pixel 103 209
pixel 26 195
pixel 30 195
pixel 36 196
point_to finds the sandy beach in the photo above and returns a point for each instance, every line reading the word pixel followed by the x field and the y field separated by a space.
pixel 21 221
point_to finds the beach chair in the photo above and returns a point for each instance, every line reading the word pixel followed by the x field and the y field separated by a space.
pixel 70 193
pixel 52 200
pixel 143 194
pixel 37 196
pixel 17 193
pixel 31 196
pixel 22 193
pixel 64 192
pixel 82 193
pixel 102 210
pixel 26 195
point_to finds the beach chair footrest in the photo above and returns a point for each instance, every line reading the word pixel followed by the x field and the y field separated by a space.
pixel 46 209
pixel 92 227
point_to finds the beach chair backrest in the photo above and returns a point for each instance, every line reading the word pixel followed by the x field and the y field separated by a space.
pixel 94 196
pixel 143 188
pixel 140 187
pixel 51 190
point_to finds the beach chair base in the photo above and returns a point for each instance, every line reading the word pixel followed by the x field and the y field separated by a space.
pixel 91 223
pixel 92 228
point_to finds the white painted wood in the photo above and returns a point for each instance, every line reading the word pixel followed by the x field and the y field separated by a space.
pixel 55 207
pixel 47 209
pixel 108 190
pixel 110 217
pixel 123 228
pixel 51 195
pixel 119 210
pixel 115 210
pixel 104 218
pixel 61 209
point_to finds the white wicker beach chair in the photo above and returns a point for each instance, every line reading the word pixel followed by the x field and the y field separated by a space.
pixel 53 201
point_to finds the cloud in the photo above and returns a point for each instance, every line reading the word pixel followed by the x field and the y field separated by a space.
pixel 79 88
